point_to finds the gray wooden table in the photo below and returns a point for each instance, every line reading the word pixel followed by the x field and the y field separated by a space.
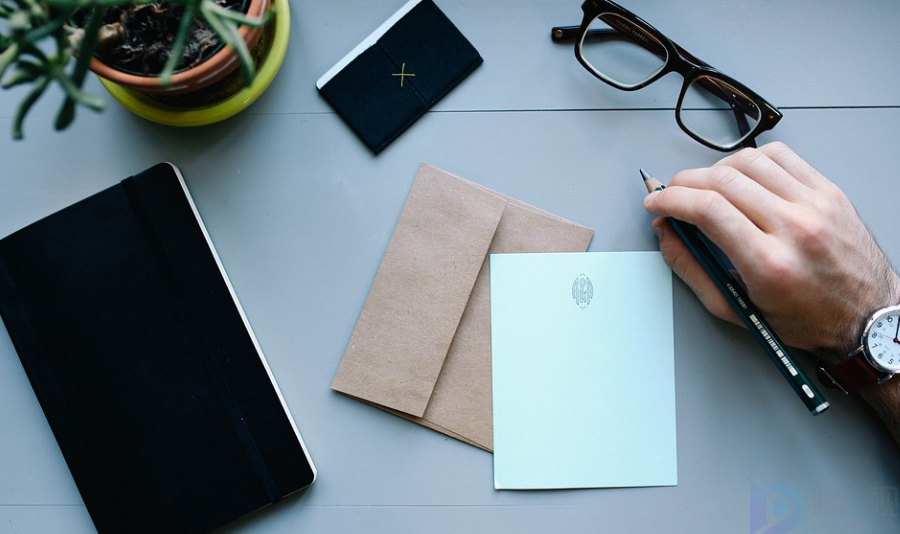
pixel 301 212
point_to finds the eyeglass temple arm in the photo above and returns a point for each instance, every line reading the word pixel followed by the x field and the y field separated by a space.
pixel 564 33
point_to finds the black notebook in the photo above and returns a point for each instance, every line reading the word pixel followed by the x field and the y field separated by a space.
pixel 144 363
pixel 398 72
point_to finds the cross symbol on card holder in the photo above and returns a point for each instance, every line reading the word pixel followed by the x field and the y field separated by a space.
pixel 402 74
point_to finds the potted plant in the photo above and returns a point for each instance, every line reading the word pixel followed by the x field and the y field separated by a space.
pixel 182 47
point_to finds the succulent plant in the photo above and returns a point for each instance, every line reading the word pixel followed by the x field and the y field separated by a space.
pixel 38 42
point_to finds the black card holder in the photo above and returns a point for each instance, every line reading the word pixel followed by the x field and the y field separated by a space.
pixel 382 90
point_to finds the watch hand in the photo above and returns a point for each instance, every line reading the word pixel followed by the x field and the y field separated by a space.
pixel 897 334
pixel 885 335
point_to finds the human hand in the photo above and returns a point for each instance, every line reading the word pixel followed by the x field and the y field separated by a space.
pixel 806 259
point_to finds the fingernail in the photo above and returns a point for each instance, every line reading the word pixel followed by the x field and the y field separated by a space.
pixel 658 232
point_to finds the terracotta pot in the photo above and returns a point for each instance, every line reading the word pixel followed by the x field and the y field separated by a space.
pixel 270 52
pixel 213 69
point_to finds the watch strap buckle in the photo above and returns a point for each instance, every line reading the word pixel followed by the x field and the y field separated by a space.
pixel 851 374
pixel 829 381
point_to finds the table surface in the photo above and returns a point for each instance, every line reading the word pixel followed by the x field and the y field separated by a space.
pixel 301 212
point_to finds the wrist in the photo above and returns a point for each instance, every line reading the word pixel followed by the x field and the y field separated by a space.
pixel 874 361
pixel 847 337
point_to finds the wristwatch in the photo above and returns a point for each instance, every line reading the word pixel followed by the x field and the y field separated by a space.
pixel 876 359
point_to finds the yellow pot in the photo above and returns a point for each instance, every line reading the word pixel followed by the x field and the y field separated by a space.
pixel 156 111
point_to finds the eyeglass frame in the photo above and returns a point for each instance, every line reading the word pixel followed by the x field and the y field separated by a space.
pixel 676 59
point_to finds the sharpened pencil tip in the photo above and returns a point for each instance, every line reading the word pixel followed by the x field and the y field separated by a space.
pixel 651 183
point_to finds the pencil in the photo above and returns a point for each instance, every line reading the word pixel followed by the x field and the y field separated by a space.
pixel 714 263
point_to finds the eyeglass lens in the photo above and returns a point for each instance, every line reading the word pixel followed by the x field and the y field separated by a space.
pixel 611 47
pixel 717 111
pixel 625 55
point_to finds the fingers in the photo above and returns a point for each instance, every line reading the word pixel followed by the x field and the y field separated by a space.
pixel 760 166
pixel 685 266
pixel 758 188
pixel 738 236
pixel 795 166
pixel 774 168
pixel 742 204
pixel 756 201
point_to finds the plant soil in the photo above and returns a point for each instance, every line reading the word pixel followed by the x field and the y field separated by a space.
pixel 144 34
pixel 225 87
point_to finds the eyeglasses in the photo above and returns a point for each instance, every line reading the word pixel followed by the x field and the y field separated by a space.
pixel 624 51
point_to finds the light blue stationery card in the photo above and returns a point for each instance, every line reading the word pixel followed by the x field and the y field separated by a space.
pixel 583 370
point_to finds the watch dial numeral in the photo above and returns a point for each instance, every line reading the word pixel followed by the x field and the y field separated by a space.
pixel 881 346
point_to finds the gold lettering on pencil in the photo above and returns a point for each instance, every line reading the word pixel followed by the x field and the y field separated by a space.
pixel 736 296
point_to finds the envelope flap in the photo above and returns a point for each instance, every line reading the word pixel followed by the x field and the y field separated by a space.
pixel 414 306
pixel 461 402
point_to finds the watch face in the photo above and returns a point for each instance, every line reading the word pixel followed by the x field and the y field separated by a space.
pixel 882 340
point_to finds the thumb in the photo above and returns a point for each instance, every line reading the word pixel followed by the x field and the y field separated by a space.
pixel 679 258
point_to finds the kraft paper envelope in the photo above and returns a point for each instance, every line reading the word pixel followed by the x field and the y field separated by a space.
pixel 421 348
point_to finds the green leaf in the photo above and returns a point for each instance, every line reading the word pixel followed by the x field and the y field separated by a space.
pixel 8 57
pixel 228 32
pixel 241 19
pixel 88 44
pixel 26 72
pixel 69 4
pixel 20 21
pixel 73 83
pixel 44 30
pixel 184 29
pixel 78 95
pixel 25 106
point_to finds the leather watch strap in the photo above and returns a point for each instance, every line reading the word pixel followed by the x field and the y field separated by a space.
pixel 851 374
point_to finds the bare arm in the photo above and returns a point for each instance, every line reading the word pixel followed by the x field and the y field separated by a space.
pixel 807 260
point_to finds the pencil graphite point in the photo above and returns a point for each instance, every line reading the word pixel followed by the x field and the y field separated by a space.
pixel 651 183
